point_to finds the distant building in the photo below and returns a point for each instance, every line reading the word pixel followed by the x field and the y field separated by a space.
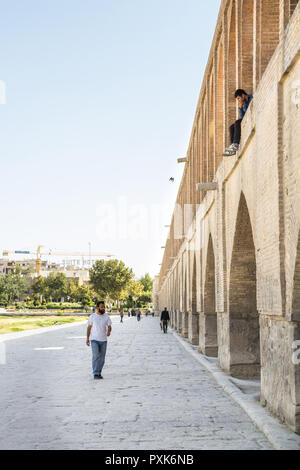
pixel 71 272
pixel 7 266
pixel 82 276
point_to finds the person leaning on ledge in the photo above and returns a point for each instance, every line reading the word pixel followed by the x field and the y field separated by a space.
pixel 243 100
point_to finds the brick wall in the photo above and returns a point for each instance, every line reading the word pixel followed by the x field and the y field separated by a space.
pixel 253 217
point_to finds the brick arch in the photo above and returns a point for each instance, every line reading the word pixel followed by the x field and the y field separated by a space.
pixel 269 32
pixel 209 286
pixel 293 5
pixel 177 289
pixel 243 316
pixel 247 49
pixel 220 106
pixel 194 284
pixel 184 290
pixel 177 299
pixel 193 316
pixel 199 156
pixel 174 287
pixel 231 68
pixel 204 148
pixel 171 290
pixel 185 319
pixel 211 132
pixel 208 340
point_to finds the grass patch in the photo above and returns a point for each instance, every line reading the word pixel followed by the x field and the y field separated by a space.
pixel 13 324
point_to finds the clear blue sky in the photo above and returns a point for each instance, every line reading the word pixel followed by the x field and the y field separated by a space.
pixel 101 96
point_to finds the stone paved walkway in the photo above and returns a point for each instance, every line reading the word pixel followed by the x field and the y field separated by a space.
pixel 154 395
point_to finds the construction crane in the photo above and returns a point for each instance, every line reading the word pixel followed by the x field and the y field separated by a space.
pixel 39 254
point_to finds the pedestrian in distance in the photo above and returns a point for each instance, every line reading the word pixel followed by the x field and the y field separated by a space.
pixel 164 318
pixel 98 330
pixel 138 315
pixel 243 100
pixel 121 316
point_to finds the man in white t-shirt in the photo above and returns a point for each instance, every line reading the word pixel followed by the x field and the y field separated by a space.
pixel 99 328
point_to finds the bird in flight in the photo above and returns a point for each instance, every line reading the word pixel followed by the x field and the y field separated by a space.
pixel 172 179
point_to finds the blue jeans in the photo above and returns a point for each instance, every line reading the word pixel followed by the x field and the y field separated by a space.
pixel 99 351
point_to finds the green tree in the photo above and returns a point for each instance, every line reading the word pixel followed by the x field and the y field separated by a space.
pixel 83 294
pixel 147 282
pixel 110 278
pixel 39 286
pixel 72 290
pixel 3 293
pixel 146 298
pixel 12 286
pixel 135 289
pixel 56 286
pixel 133 292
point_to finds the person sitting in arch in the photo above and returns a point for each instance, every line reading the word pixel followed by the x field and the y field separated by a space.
pixel 244 101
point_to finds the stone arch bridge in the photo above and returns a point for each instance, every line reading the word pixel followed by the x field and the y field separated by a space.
pixel 230 274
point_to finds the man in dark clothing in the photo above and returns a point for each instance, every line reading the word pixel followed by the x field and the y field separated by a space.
pixel 164 318
pixel 244 101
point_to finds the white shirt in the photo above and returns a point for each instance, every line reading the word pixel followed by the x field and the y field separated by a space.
pixel 99 326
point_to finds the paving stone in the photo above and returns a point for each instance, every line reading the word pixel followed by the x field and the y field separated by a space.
pixel 154 395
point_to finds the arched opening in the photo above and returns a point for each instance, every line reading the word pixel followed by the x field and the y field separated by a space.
pixel 199 158
pixel 185 315
pixel 269 35
pixel 247 46
pixel 211 134
pixel 293 4
pixel 195 170
pixel 231 70
pixel 204 149
pixel 180 300
pixel 208 340
pixel 173 318
pixel 194 317
pixel 243 316
pixel 193 180
pixel 220 107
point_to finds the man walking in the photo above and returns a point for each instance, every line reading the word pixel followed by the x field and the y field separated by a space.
pixel 244 101
pixel 99 328
pixel 121 316
pixel 164 318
